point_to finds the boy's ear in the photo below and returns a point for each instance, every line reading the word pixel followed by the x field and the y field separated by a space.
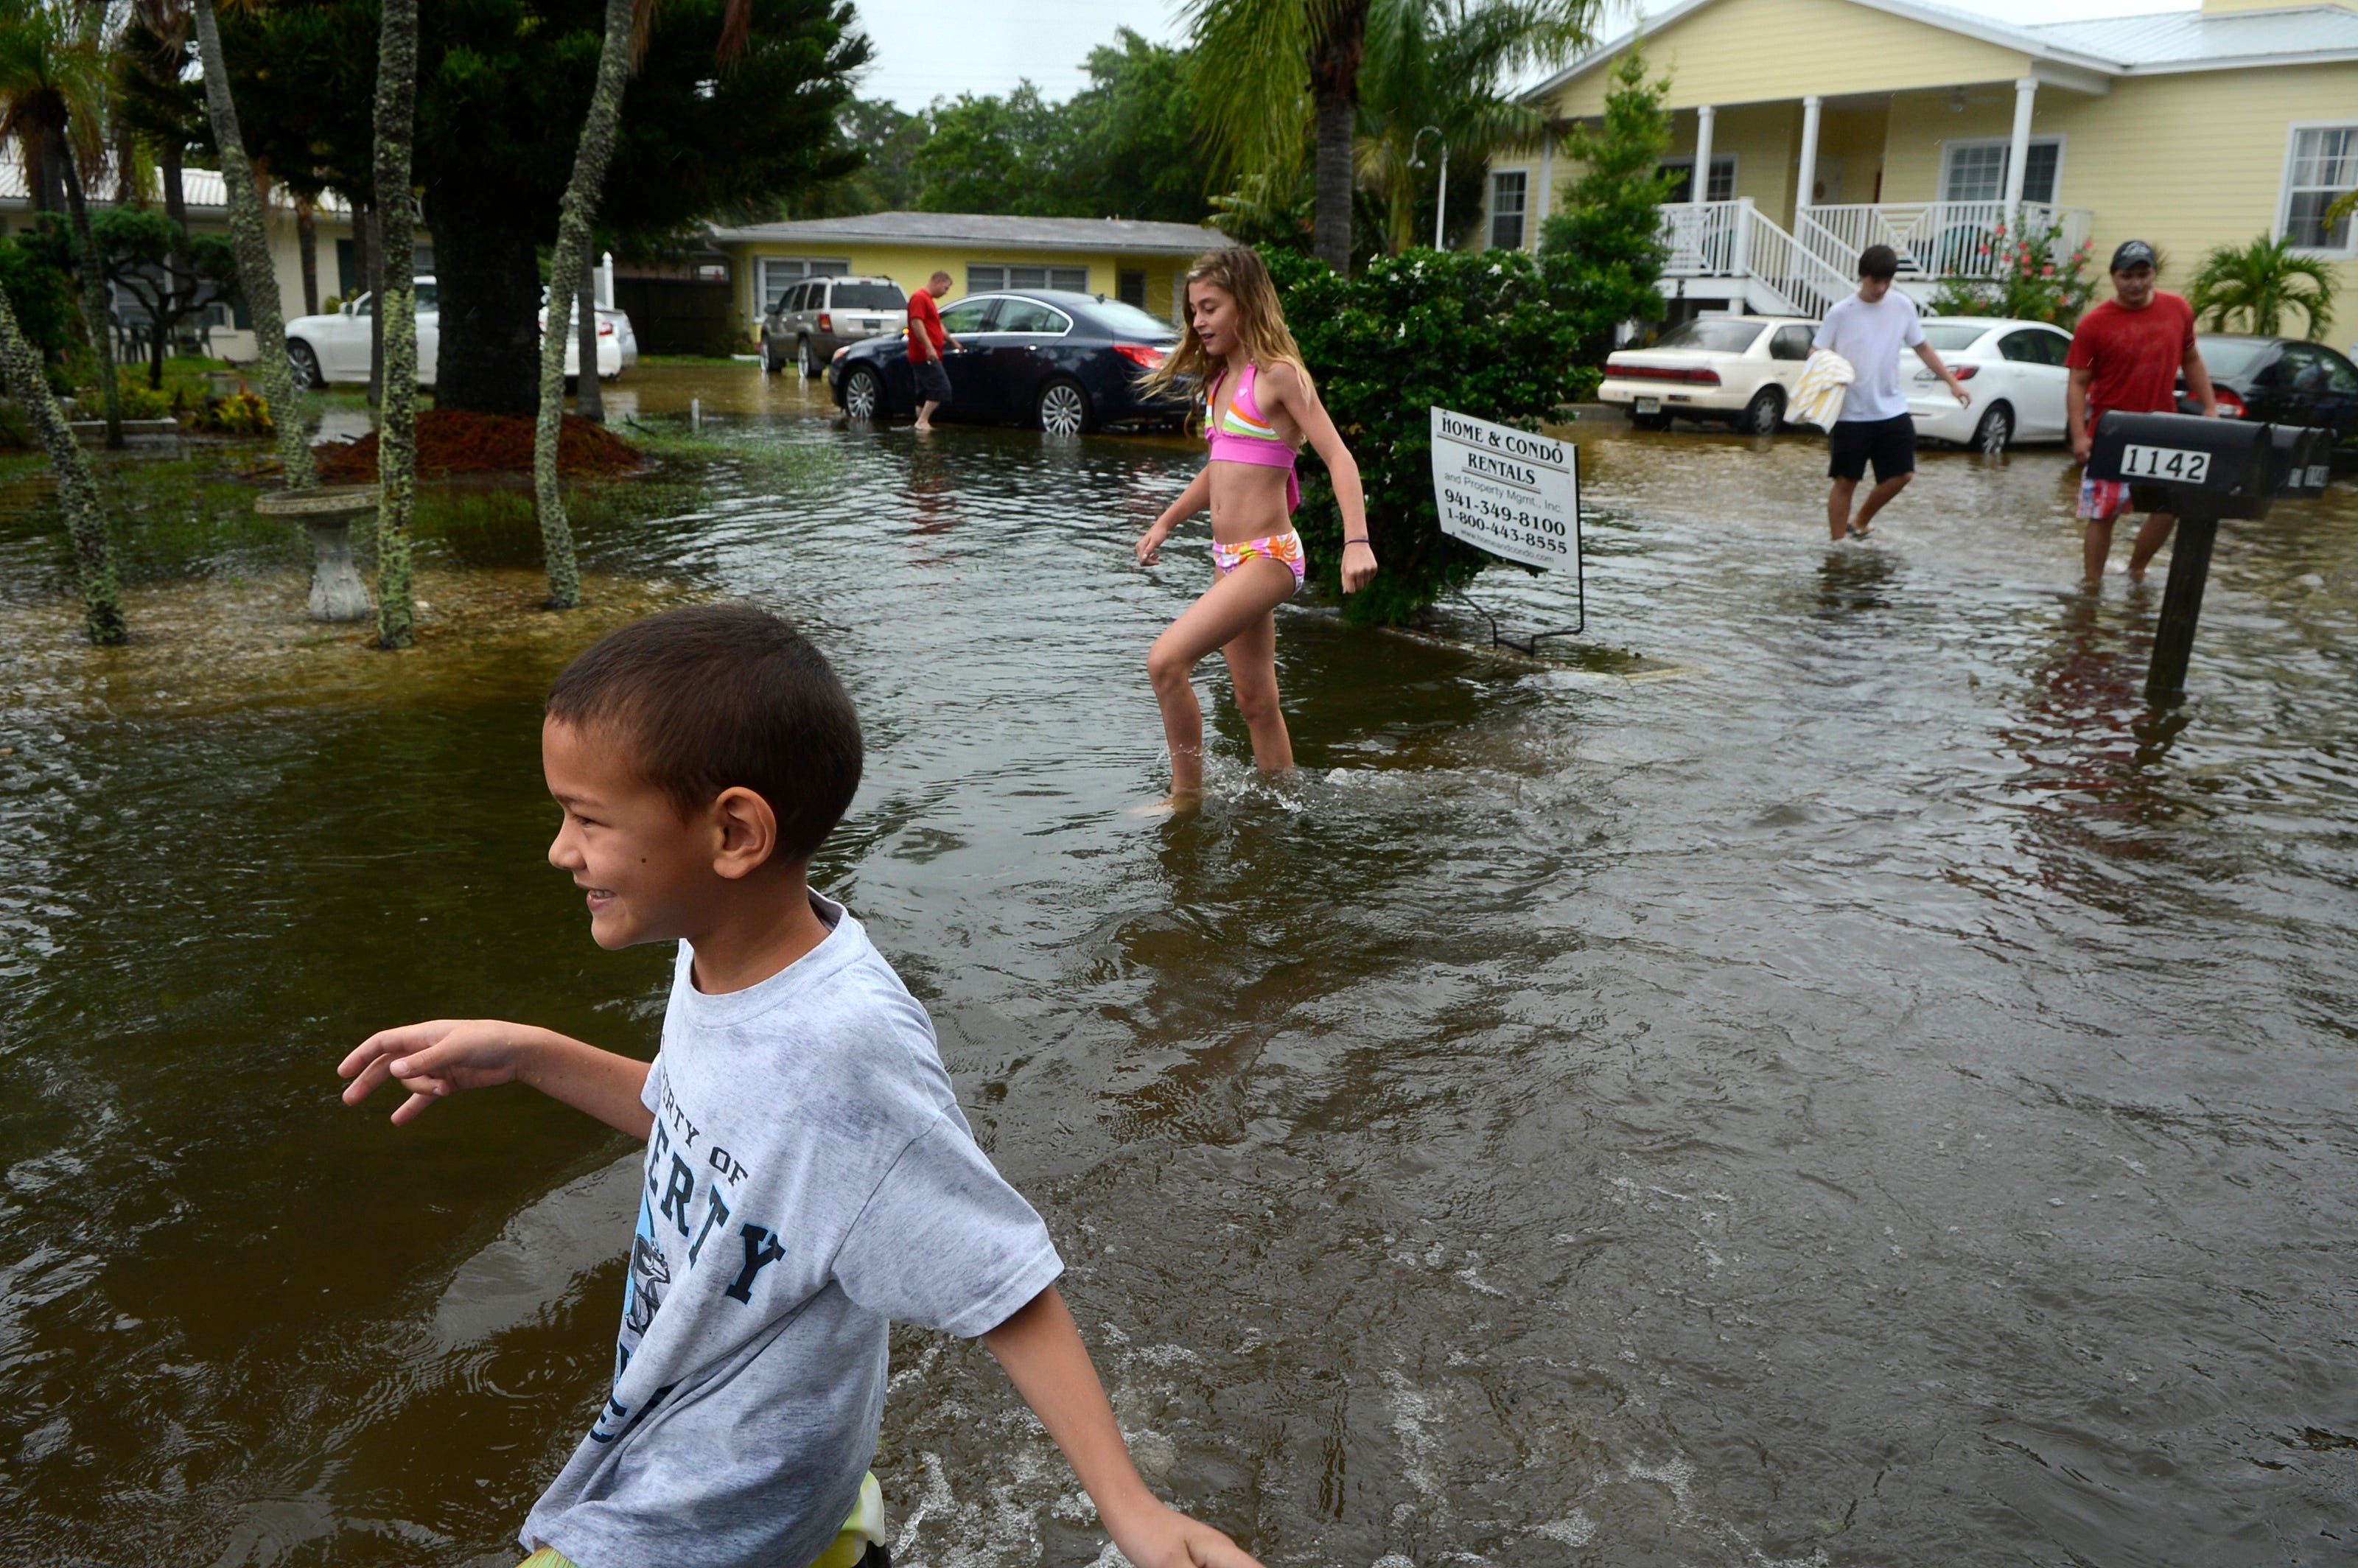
pixel 748 832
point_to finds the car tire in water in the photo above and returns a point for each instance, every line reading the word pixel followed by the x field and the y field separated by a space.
pixel 1995 432
pixel 1763 413
pixel 770 365
pixel 863 394
pixel 1650 421
pixel 804 361
pixel 1063 409
pixel 304 365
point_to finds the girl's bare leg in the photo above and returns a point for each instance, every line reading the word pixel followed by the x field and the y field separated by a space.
pixel 1228 608
pixel 1251 656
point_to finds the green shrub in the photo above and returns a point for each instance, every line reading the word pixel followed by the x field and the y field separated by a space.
pixel 141 401
pixel 15 431
pixel 33 271
pixel 1604 251
pixel 2036 280
pixel 239 414
pixel 1472 331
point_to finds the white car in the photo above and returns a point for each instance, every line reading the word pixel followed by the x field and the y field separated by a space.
pixel 2014 369
pixel 328 350
pixel 618 344
pixel 1735 370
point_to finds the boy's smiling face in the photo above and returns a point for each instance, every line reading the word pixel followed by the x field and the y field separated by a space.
pixel 646 869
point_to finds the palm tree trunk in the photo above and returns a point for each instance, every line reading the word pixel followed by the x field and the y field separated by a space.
pixel 378 273
pixel 95 307
pixel 176 196
pixel 589 398
pixel 1334 86
pixel 28 383
pixel 257 278
pixel 307 246
pixel 397 449
pixel 565 270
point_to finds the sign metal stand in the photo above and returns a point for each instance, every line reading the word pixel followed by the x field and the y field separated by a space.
pixel 1516 495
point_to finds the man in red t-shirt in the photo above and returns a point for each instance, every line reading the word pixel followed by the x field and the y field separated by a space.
pixel 927 339
pixel 2127 355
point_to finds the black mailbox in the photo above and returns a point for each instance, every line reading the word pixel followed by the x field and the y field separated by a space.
pixel 2303 460
pixel 2186 464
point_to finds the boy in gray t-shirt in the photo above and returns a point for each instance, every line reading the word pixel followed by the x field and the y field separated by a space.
pixel 808 1178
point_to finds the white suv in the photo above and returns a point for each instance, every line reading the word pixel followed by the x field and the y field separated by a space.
pixel 813 319
pixel 1737 370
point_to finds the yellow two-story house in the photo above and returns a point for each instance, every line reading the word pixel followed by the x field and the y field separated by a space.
pixel 1823 126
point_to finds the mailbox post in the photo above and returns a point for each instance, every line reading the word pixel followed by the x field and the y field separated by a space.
pixel 2203 471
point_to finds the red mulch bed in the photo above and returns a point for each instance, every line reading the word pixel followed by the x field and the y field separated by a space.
pixel 450 440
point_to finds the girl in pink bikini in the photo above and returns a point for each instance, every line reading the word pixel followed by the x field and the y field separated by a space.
pixel 1259 408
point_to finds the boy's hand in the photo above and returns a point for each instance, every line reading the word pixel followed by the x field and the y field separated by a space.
pixel 1159 1536
pixel 430 1060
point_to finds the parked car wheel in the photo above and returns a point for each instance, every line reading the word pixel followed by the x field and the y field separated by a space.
pixel 305 365
pixel 804 361
pixel 863 394
pixel 770 365
pixel 1995 431
pixel 1650 421
pixel 1764 413
pixel 1064 409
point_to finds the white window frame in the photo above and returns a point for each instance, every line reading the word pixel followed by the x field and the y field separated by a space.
pixel 1686 161
pixel 1491 209
pixel 2045 138
pixel 1005 271
pixel 812 267
pixel 2348 246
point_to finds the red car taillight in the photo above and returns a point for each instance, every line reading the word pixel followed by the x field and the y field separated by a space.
pixel 827 321
pixel 2230 405
pixel 1144 355
pixel 1965 372
pixel 605 328
pixel 1689 376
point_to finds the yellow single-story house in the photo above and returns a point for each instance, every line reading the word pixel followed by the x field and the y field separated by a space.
pixel 228 332
pixel 1140 263
pixel 1823 126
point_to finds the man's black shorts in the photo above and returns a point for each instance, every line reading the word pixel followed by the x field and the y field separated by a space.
pixel 932 382
pixel 1889 444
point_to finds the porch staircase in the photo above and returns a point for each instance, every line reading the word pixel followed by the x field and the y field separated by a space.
pixel 1770 273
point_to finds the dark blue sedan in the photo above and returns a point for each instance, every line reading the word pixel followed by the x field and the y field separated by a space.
pixel 1067 363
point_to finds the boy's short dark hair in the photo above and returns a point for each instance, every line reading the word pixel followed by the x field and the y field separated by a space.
pixel 717 696
pixel 1878 261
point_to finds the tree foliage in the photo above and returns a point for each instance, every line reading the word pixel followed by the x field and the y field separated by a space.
pixel 2256 286
pixel 1470 331
pixel 172 275
pixel 1603 252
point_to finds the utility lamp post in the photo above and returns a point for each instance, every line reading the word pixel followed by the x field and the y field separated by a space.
pixel 1441 203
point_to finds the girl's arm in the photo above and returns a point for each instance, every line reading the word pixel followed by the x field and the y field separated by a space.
pixel 1192 499
pixel 1283 386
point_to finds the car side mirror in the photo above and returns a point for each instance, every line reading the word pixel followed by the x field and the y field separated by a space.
pixel 344 309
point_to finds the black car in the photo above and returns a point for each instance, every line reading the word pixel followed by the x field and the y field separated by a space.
pixel 1066 362
pixel 2280 380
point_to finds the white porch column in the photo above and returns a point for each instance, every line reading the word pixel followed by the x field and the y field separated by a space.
pixel 2018 153
pixel 1806 196
pixel 1701 190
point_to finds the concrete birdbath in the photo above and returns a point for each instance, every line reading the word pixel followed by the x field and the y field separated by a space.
pixel 337 591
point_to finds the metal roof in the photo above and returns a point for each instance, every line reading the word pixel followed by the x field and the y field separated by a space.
pixel 1131 236
pixel 2153 44
pixel 203 189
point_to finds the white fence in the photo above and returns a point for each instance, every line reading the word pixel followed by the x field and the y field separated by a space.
pixel 1731 239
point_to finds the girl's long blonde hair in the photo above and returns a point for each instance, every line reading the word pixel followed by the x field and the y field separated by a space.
pixel 1260 323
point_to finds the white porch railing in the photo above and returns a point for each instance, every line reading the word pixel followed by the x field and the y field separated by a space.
pixel 1731 239
pixel 1936 239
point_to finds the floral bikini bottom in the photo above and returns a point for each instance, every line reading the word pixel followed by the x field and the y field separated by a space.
pixel 1284 549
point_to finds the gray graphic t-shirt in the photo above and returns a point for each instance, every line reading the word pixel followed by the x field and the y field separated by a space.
pixel 810 1180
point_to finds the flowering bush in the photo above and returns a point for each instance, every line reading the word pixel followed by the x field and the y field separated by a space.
pixel 2027 276
pixel 239 414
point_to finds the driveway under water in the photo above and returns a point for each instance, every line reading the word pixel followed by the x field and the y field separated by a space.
pixel 1858 1090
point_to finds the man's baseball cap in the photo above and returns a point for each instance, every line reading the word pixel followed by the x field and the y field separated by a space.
pixel 2133 253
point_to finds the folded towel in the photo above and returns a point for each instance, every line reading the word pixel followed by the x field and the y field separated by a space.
pixel 1825 381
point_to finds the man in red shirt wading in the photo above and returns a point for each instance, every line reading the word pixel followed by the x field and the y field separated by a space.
pixel 926 340
pixel 2127 355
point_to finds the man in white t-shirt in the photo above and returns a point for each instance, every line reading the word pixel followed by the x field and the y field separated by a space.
pixel 1869 329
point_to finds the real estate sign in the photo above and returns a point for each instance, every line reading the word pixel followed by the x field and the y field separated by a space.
pixel 1512 492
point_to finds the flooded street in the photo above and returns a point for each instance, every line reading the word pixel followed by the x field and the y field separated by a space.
pixel 1846 1085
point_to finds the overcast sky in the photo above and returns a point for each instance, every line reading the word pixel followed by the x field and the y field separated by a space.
pixel 938 48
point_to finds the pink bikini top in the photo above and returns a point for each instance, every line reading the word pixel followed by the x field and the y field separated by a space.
pixel 1241 433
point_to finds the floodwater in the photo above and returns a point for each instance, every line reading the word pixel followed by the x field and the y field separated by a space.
pixel 1821 1076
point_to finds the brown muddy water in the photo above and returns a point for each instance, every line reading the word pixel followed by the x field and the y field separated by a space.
pixel 1858 1090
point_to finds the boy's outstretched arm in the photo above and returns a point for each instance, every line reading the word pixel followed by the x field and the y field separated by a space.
pixel 1044 1359
pixel 430 1060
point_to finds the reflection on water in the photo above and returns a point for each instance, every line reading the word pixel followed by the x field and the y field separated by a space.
pixel 1823 1075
